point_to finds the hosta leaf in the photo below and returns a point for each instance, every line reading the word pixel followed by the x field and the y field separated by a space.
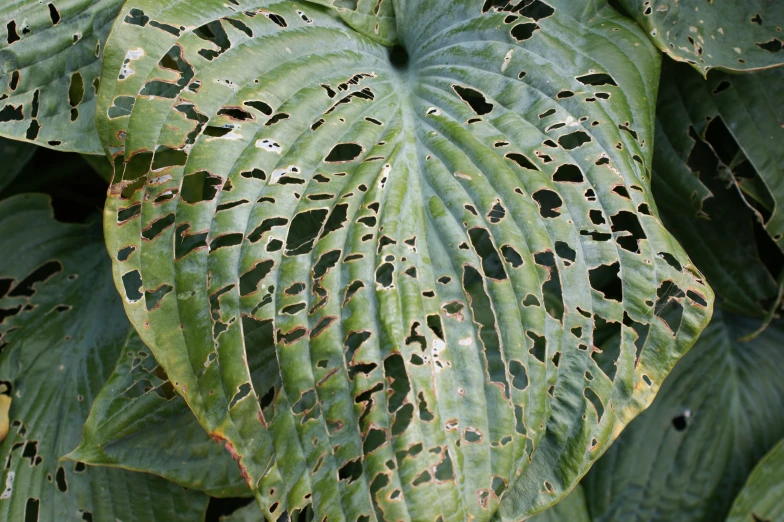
pixel 14 156
pixel 728 35
pixel 50 63
pixel 762 498
pixel 698 200
pixel 740 117
pixel 373 18
pixel 423 250
pixel 686 457
pixel 137 422
pixel 62 329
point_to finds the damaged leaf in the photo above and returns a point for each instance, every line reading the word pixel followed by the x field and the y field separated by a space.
pixel 50 63
pixel 137 422
pixel 729 35
pixel 716 415
pixel 706 151
pixel 61 332
pixel 426 242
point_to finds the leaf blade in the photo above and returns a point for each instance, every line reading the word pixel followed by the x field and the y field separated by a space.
pixel 290 196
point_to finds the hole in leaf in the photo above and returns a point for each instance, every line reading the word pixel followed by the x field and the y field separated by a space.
pixel 568 174
pixel 596 79
pixel 596 401
pixel 475 99
pixel 549 202
pixel 351 471
pixel 304 230
pixel 483 315
pixel 605 279
pixel 491 262
pixel 574 140
pixel 344 153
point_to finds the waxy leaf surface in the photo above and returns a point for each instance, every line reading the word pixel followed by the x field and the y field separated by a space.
pixel 422 240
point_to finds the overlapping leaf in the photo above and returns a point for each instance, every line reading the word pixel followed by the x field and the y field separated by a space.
pixel 137 422
pixel 730 35
pixel 423 252
pixel 373 18
pixel 699 170
pixel 50 62
pixel 762 498
pixel 717 414
pixel 61 331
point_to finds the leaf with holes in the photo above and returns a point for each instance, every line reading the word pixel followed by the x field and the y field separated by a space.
pixel 137 422
pixel 687 456
pixel 729 35
pixel 429 233
pixel 50 62
pixel 61 331
pixel 762 498
pixel 373 18
pixel 700 168
pixel 740 117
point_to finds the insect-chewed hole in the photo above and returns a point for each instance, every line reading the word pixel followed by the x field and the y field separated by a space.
pixel 343 153
pixel 475 99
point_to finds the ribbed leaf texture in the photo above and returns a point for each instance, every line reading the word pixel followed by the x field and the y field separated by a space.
pixel 424 241
pixel 50 63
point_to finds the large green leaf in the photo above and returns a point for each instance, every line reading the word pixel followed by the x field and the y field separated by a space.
pixel 694 189
pixel 137 422
pixel 62 329
pixel 717 414
pixel 428 245
pixel 733 35
pixel 762 498
pixel 50 63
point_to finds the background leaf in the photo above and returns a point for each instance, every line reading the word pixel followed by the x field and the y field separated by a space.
pixel 373 18
pixel 730 35
pixel 717 414
pixel 424 251
pixel 61 331
pixel 138 422
pixel 698 168
pixel 50 61
pixel 762 498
